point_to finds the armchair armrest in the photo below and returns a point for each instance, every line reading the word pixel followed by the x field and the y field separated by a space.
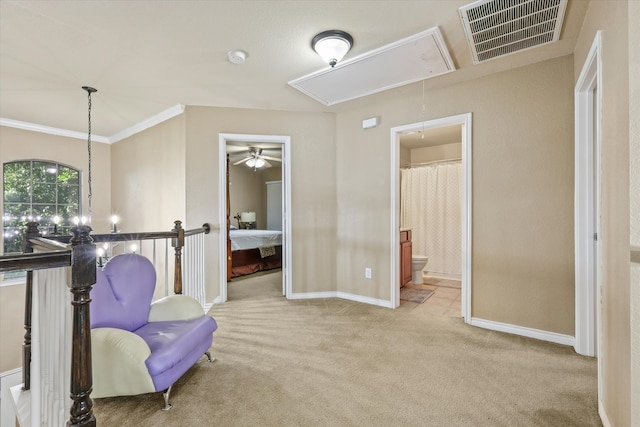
pixel 175 307
pixel 118 359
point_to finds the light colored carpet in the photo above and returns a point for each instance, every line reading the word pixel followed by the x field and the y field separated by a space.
pixel 331 362
pixel 415 295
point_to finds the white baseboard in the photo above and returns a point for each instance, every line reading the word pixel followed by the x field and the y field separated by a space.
pixel 603 415
pixel 343 295
pixel 445 276
pixel 313 295
pixel 366 300
pixel 524 331
pixel 8 380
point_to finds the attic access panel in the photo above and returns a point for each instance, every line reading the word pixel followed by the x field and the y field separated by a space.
pixel 496 28
pixel 418 57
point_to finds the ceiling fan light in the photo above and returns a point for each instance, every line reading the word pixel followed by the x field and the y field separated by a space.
pixel 255 163
pixel 332 45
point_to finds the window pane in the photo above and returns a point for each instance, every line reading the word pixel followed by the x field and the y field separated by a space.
pixel 37 191
pixel 68 194
pixel 17 171
pixel 17 177
pixel 67 212
pixel 15 214
pixel 12 240
pixel 44 172
pixel 17 191
pixel 68 175
pixel 44 193
pixel 44 214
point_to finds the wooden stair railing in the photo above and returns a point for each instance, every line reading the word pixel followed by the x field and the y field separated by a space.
pixel 80 255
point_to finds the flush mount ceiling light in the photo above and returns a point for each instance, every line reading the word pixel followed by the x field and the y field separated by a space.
pixel 332 45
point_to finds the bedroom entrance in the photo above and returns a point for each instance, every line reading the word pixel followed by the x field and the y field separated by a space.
pixel 255 237
pixel 449 154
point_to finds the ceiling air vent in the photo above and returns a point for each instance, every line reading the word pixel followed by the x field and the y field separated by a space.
pixel 496 28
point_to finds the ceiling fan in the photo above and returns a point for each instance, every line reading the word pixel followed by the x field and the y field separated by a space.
pixel 255 159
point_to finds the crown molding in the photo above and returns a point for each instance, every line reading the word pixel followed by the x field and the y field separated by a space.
pixel 51 130
pixel 167 114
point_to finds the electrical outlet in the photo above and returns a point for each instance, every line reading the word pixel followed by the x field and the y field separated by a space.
pixel 367 273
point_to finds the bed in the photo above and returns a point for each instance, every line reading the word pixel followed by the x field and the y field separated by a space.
pixel 254 250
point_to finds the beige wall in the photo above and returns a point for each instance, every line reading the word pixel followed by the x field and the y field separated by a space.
pixel 634 194
pixel 436 152
pixel 148 184
pixel 11 326
pixel 522 156
pixel 248 193
pixel 313 185
pixel 611 18
pixel 17 144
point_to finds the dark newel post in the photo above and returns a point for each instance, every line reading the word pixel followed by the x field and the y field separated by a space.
pixel 178 243
pixel 83 276
pixel 32 231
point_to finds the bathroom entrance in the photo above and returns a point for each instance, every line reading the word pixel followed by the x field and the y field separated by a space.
pixel 431 182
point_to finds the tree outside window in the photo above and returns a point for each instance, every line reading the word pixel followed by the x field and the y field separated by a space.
pixel 40 191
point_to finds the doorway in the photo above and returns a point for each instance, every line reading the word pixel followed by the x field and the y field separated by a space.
pixel 464 121
pixel 254 140
pixel 587 203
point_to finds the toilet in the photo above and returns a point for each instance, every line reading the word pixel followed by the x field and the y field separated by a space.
pixel 418 263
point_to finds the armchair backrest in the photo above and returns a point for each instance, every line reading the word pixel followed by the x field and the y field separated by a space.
pixel 122 295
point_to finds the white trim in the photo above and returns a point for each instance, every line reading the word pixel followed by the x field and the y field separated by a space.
pixel 587 222
pixel 167 114
pixel 523 331
pixel 12 282
pixel 22 402
pixel 341 295
pixel 152 121
pixel 603 414
pixel 51 130
pixel 8 380
pixel 286 202
pixel 466 121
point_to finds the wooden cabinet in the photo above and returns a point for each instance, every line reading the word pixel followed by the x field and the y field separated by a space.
pixel 405 257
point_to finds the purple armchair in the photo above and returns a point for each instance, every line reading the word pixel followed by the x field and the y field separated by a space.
pixel 138 346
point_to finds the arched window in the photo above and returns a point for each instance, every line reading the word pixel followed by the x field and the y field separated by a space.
pixel 38 190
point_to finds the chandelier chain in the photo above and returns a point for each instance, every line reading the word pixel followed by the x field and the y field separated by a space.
pixel 89 90
pixel 89 154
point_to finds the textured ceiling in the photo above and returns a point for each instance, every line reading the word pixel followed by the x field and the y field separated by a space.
pixel 145 57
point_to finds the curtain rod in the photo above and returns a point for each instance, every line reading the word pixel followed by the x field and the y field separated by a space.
pixel 432 162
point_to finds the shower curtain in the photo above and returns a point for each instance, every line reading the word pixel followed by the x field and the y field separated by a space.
pixel 430 204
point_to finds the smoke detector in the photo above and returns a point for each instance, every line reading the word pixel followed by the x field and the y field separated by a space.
pixel 237 56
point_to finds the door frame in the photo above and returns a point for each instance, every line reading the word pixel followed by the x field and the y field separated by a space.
pixel 587 205
pixel 465 120
pixel 285 141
